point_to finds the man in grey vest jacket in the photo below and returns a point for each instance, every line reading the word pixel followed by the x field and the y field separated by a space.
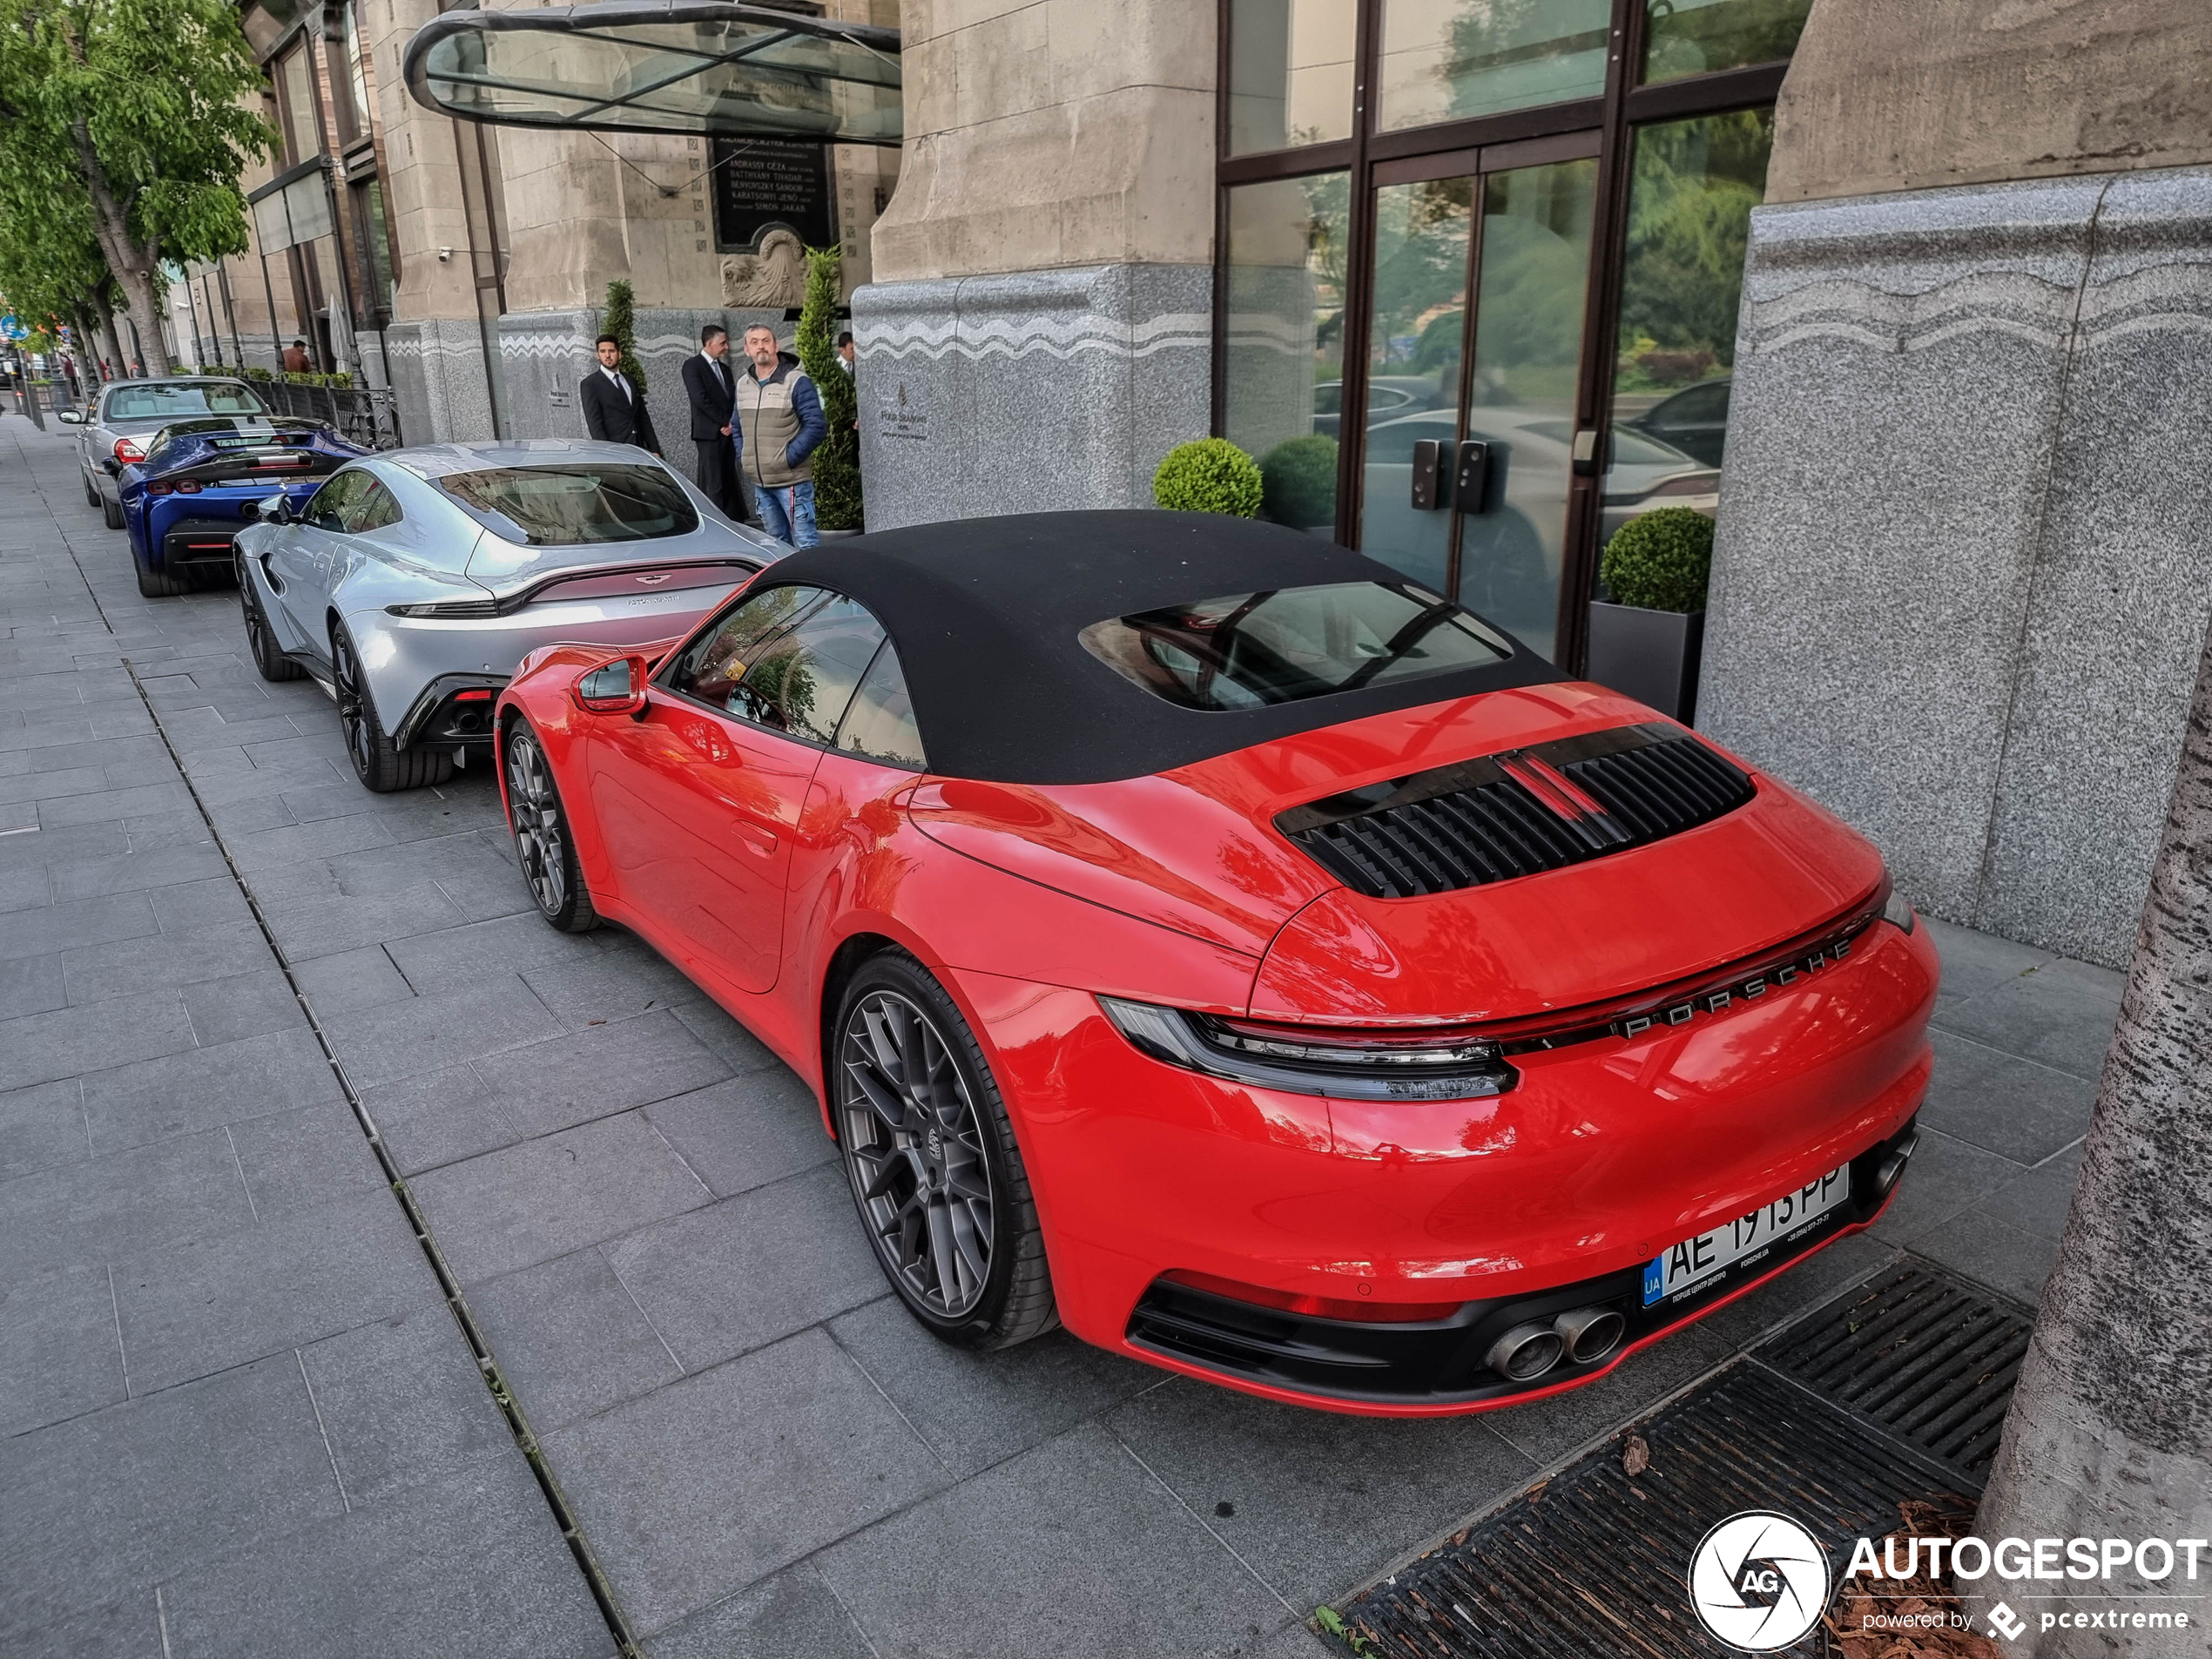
pixel 778 422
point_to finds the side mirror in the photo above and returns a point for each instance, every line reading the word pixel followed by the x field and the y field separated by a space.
pixel 110 466
pixel 613 688
pixel 71 417
pixel 275 509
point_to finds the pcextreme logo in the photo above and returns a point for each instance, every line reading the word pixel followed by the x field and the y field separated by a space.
pixel 1758 1581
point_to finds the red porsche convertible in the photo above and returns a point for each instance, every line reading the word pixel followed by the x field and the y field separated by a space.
pixel 1211 940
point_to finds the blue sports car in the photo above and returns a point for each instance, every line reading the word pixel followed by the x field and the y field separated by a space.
pixel 204 480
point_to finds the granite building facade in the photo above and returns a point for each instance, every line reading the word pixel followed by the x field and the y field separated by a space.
pixel 1932 270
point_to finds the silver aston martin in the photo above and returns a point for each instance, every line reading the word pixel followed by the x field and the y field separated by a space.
pixel 412 583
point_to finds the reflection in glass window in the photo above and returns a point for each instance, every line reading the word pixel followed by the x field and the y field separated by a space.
pixel 1698 36
pixel 1289 72
pixel 1692 186
pixel 711 666
pixel 566 506
pixel 881 723
pixel 800 681
pixel 1445 59
pixel 1414 366
pixel 1284 362
pixel 1245 651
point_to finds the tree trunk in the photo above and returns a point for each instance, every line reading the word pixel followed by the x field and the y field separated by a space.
pixel 112 350
pixel 2110 1432
pixel 135 267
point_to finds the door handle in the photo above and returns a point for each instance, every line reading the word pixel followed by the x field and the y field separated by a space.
pixel 761 841
pixel 1429 480
pixel 1471 476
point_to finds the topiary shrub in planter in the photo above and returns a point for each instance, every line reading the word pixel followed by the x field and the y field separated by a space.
pixel 1299 482
pixel 1660 560
pixel 838 502
pixel 1209 476
pixel 1647 641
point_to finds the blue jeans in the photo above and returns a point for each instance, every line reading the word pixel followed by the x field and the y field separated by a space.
pixel 787 512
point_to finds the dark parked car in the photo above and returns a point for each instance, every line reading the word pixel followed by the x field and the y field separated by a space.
pixel 1695 421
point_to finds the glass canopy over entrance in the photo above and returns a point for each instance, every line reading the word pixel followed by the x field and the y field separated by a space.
pixel 688 66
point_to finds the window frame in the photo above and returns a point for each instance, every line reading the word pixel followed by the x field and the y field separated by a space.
pixel 1606 123
pixel 660 678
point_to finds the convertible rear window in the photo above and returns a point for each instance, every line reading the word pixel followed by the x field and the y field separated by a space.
pixel 170 402
pixel 562 506
pixel 1245 651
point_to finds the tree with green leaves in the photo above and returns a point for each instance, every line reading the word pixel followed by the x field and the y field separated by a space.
pixel 132 113
pixel 837 504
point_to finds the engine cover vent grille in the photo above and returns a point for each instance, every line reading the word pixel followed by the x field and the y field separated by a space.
pixel 1519 812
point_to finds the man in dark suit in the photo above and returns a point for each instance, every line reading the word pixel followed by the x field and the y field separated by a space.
pixel 714 395
pixel 613 413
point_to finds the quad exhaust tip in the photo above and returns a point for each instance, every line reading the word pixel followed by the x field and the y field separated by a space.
pixel 1590 1333
pixel 1526 1351
pixel 1892 1168
pixel 1583 1336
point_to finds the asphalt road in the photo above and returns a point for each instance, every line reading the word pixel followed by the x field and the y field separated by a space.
pixel 240 1414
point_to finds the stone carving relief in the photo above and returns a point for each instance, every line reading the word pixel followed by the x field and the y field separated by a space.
pixel 776 276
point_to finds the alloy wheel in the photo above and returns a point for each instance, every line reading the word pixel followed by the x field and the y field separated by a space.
pixel 353 717
pixel 533 810
pixel 257 631
pixel 914 1145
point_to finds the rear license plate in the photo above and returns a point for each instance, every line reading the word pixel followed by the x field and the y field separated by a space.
pixel 1696 1260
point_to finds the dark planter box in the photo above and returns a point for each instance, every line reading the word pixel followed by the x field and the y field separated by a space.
pixel 1649 655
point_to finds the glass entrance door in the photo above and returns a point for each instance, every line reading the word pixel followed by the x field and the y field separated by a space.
pixel 1469 436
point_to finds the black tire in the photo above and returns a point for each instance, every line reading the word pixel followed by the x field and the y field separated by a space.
pixel 91 490
pixel 111 510
pixel 154 584
pixel 965 1252
pixel 259 642
pixel 380 764
pixel 543 846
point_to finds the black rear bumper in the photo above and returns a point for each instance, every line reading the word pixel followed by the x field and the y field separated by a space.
pixel 199 541
pixel 1442 1362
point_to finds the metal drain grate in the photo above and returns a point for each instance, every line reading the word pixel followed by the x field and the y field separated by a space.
pixel 1593 1563
pixel 1925 1355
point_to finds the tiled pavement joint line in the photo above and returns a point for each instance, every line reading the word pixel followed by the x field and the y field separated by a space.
pixel 517 1424
pixel 1153 1475
pixel 161 1617
pixel 115 1306
pixel 1569 1458
pixel 323 1429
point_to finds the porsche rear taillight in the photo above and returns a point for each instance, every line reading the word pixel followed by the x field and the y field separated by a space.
pixel 1341 1063
pixel 128 453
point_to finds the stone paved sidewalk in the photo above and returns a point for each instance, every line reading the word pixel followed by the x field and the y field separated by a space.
pixel 237 1416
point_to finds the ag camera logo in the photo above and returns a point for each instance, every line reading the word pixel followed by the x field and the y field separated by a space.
pixel 1758 1581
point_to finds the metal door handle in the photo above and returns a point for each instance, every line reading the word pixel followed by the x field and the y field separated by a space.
pixel 761 841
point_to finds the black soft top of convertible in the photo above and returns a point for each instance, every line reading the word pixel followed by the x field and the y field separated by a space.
pixel 987 615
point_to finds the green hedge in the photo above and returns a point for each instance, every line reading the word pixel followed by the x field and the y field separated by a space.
pixel 1659 560
pixel 1210 475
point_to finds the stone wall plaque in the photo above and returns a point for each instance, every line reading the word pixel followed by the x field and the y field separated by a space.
pixel 902 410
pixel 761 182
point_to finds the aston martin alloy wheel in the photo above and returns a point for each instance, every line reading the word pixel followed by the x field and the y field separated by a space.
pixel 543 844
pixel 378 762
pixel 933 1163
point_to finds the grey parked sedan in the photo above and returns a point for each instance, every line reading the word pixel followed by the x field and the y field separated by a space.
pixel 112 433
pixel 412 583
